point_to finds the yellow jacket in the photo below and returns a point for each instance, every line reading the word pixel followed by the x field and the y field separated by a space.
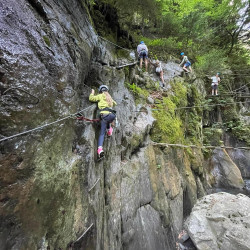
pixel 102 103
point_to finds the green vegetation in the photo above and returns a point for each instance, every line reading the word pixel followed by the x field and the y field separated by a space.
pixel 211 32
pixel 214 36
pixel 46 40
pixel 240 130
pixel 169 126
pixel 139 93
pixel 212 136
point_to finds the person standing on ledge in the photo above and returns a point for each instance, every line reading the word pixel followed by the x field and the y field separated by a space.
pixel 215 82
pixel 108 115
pixel 159 71
pixel 187 63
pixel 142 51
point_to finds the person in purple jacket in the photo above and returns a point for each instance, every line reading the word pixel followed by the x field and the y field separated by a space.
pixel 142 51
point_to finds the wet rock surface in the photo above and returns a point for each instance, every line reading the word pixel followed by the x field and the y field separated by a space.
pixel 52 188
pixel 220 221
pixel 54 192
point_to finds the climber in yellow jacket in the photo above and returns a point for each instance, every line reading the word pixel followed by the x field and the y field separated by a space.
pixel 108 115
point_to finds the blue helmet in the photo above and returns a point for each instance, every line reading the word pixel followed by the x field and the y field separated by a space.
pixel 182 53
pixel 141 42
pixel 103 88
pixel 218 73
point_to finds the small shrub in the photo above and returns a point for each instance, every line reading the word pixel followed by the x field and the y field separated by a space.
pixel 137 91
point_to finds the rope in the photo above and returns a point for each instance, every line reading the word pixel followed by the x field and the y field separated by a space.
pixel 82 118
pixel 94 184
pixel 129 64
pixel 45 125
pixel 25 91
pixel 114 44
pixel 197 106
pixel 236 95
pixel 85 232
pixel 195 146
pixel 120 66
pixel 211 105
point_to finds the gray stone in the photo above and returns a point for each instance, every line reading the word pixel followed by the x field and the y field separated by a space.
pixel 241 158
pixel 184 237
pixel 225 171
pixel 150 100
pixel 149 233
pixel 200 85
pixel 220 221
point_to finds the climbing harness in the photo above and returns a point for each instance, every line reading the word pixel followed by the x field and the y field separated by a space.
pixel 109 109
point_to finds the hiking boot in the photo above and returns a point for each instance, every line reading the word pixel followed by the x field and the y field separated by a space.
pixel 110 131
pixel 100 152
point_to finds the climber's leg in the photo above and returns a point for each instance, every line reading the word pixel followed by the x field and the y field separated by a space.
pixel 100 151
pixel 162 79
pixel 185 69
pixel 146 63
pixel 141 59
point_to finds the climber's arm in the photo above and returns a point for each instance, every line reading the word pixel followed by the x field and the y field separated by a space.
pixel 93 97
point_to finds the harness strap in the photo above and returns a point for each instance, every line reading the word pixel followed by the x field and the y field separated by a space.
pixel 109 109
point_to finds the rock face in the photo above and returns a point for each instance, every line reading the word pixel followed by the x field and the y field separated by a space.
pixel 45 56
pixel 242 159
pixel 225 171
pixel 52 187
pixel 220 221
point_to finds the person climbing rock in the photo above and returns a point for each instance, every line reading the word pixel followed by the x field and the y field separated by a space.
pixel 187 63
pixel 159 71
pixel 142 51
pixel 105 104
pixel 215 82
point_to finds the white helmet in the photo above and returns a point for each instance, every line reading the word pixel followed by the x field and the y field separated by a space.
pixel 103 88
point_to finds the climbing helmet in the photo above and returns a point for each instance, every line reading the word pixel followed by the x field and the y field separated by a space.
pixel 103 88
